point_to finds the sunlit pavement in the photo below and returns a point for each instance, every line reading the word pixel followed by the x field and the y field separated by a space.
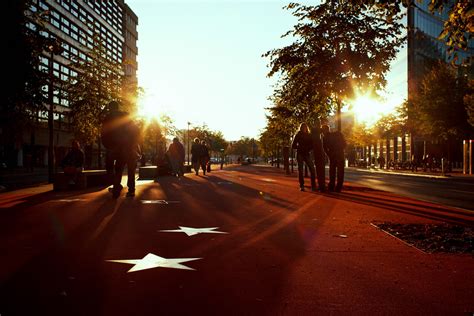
pixel 243 240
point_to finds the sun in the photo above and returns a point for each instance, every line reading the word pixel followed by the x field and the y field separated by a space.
pixel 367 110
pixel 149 108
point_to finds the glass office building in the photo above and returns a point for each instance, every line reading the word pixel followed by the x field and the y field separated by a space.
pixel 424 47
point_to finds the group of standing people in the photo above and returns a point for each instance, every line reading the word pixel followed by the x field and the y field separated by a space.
pixel 200 157
pixel 311 147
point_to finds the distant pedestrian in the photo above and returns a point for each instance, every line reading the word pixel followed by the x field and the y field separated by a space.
pixel 73 162
pixel 381 161
pixel 120 136
pixel 304 145
pixel 205 157
pixel 196 155
pixel 176 154
pixel 334 144
pixel 319 157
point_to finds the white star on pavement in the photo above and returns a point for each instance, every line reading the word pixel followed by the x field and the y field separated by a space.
pixel 194 231
pixel 153 261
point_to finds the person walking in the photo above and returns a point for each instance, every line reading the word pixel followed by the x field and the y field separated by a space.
pixel 113 118
pixel 176 155
pixel 120 136
pixel 205 157
pixel 319 157
pixel 304 145
pixel 334 144
pixel 196 155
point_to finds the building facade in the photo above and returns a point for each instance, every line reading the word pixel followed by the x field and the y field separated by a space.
pixel 424 49
pixel 74 23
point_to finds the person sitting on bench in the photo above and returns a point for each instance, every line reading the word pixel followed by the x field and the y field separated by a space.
pixel 73 162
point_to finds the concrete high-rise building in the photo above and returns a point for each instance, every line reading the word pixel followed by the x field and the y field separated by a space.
pixel 74 23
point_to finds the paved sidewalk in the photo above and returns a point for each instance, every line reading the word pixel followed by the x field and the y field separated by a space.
pixel 285 252
pixel 432 175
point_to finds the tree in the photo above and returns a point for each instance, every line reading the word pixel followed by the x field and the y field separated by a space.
pixel 97 81
pixel 469 102
pixel 439 106
pixel 245 147
pixel 153 140
pixel 457 30
pixel 339 50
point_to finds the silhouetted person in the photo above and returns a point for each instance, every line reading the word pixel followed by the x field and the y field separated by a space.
pixel 176 155
pixel 121 137
pixel 73 162
pixel 334 144
pixel 196 155
pixel 205 157
pixel 113 119
pixel 381 161
pixel 319 157
pixel 304 145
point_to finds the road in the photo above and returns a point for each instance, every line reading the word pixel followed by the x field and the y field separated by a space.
pixel 241 241
pixel 457 192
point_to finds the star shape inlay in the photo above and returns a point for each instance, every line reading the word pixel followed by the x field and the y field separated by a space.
pixel 151 261
pixel 190 231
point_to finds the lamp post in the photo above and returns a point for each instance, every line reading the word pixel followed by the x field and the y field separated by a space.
pixel 54 48
pixel 189 123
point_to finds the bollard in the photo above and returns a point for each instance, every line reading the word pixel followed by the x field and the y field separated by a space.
pixel 464 157
pixel 286 159
pixel 470 156
pixel 442 166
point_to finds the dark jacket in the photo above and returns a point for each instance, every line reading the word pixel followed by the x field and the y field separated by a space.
pixel 302 143
pixel 74 158
pixel 196 152
pixel 205 151
pixel 120 135
pixel 334 144
pixel 113 126
pixel 317 143
pixel 176 151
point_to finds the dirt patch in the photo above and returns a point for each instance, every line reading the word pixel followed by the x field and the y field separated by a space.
pixel 433 237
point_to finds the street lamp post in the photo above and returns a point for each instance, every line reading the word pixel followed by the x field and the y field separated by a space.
pixel 189 123
pixel 54 48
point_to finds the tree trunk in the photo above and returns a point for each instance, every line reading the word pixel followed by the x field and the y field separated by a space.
pixel 99 154
pixel 338 116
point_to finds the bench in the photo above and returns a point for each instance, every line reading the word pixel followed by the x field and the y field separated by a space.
pixel 85 179
pixel 152 172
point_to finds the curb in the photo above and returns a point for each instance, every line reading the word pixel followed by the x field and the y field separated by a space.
pixel 403 174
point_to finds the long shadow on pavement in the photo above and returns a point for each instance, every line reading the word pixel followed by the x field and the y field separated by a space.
pixel 404 205
pixel 245 270
pixel 64 278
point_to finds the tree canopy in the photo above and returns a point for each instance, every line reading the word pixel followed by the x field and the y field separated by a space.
pixel 98 81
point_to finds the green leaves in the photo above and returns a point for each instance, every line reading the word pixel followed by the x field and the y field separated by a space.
pixel 338 48
pixel 98 81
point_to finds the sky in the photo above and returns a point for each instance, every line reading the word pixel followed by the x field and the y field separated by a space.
pixel 200 61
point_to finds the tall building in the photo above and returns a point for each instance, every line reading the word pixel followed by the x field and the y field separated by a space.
pixel 74 23
pixel 424 49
